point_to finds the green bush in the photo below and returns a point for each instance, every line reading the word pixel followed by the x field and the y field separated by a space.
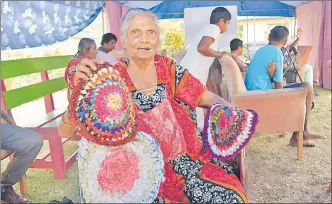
pixel 173 37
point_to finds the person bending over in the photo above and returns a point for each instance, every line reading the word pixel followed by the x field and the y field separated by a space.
pixel 203 51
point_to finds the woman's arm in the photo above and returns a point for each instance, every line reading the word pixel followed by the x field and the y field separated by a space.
pixel 66 127
pixel 208 99
pixel 298 37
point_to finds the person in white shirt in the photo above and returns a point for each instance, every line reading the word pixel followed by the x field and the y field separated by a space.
pixel 107 45
pixel 203 51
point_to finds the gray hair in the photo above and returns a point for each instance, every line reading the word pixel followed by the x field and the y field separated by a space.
pixel 130 14
pixel 85 43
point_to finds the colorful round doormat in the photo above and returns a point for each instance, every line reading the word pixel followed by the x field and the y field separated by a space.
pixel 103 108
pixel 130 173
pixel 227 130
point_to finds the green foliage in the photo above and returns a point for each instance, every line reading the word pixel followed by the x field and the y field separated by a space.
pixel 56 52
pixel 173 37
pixel 240 35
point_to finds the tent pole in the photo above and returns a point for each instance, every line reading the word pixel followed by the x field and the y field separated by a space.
pixel 295 27
pixel 103 21
pixel 248 38
pixel 255 32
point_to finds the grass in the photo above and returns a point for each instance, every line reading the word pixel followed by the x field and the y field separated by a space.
pixel 43 187
pixel 274 174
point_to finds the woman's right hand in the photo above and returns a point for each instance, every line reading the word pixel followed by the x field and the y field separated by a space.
pixel 85 68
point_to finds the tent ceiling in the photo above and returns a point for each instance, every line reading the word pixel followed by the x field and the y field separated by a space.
pixel 174 9
pixel 140 4
pixel 150 4
pixel 294 3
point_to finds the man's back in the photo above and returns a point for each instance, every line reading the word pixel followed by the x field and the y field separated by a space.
pixel 258 77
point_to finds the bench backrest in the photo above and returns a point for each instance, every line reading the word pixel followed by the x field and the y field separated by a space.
pixel 234 77
pixel 15 68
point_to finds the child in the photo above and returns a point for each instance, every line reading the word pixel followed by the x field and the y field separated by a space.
pixel 204 50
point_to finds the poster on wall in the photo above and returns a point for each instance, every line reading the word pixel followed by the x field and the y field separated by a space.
pixel 196 18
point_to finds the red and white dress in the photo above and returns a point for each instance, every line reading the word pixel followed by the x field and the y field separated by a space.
pixel 168 115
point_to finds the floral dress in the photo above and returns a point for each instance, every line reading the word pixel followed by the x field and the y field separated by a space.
pixel 191 175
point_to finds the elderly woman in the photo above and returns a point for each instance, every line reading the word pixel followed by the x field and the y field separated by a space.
pixel 87 49
pixel 165 96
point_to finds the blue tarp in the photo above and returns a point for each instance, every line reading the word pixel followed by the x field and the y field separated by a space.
pixel 174 9
pixel 27 24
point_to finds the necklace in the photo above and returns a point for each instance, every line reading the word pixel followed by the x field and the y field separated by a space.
pixel 151 90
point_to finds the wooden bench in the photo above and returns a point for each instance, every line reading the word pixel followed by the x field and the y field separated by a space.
pixel 46 125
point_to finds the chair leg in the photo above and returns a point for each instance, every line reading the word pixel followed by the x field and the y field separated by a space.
pixel 283 134
pixel 24 186
pixel 300 146
pixel 57 157
pixel 243 169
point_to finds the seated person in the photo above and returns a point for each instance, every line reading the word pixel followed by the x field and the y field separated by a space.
pixel 236 46
pixel 236 51
pixel 26 144
pixel 308 70
pixel 258 77
pixel 107 46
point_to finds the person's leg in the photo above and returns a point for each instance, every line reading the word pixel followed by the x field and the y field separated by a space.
pixel 309 77
pixel 308 74
pixel 26 144
pixel 307 136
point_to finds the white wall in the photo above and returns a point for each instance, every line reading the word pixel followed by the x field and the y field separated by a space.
pixel 196 18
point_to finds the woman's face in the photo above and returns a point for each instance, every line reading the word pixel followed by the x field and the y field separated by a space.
pixel 142 37
pixel 91 53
